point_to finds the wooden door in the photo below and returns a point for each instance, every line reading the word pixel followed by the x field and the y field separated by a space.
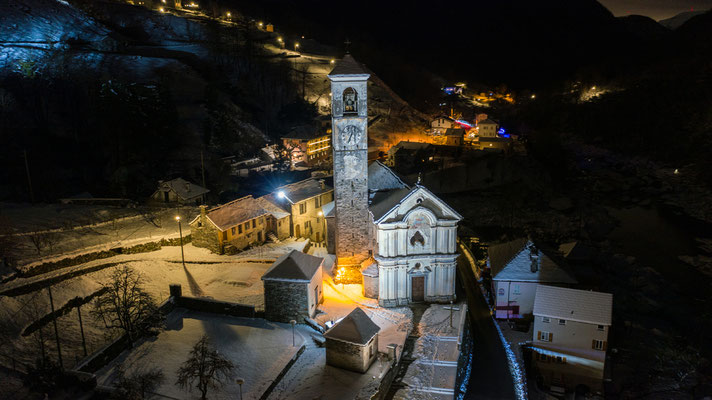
pixel 417 288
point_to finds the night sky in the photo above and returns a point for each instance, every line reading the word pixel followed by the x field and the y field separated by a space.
pixel 655 9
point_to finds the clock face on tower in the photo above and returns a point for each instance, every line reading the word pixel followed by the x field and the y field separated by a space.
pixel 350 135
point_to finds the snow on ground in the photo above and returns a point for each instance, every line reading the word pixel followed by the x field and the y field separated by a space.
pixel 432 375
pixel 227 278
pixel 258 348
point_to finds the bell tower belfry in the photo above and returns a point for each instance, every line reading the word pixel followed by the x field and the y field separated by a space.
pixel 349 119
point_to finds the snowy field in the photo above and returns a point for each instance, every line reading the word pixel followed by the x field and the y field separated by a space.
pixel 227 278
pixel 258 348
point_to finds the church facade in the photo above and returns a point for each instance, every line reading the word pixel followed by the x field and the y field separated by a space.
pixel 401 238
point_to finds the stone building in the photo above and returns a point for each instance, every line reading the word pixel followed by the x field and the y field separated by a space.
pixel 454 136
pixel 293 287
pixel 487 128
pixel 439 125
pixel 304 201
pixel 240 223
pixel 349 115
pixel 353 342
pixel 409 232
pixel 179 191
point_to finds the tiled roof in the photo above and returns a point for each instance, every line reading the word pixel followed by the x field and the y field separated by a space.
pixel 302 190
pixel 237 212
pixel 294 266
pixel 348 66
pixel 511 262
pixel 356 328
pixel 573 304
pixel 381 177
pixel 182 188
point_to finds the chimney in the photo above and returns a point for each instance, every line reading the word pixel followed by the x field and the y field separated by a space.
pixel 187 187
pixel 322 184
pixel 202 211
pixel 534 257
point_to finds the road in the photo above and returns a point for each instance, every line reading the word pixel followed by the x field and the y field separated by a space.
pixel 490 378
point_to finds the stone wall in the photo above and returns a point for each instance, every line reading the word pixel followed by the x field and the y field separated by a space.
pixel 285 301
pixel 351 356
pixel 206 235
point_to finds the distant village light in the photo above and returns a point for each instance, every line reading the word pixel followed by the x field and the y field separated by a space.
pixel 332 61
pixel 228 14
pixel 161 9
pixel 676 171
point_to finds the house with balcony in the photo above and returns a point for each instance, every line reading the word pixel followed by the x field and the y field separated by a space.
pixel 570 337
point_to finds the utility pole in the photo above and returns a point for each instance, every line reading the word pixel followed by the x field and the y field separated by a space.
pixel 81 329
pixel 56 332
pixel 29 180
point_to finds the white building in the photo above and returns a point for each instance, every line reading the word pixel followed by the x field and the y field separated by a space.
pixel 570 336
pixel 517 268
pixel 487 128
pixel 440 125
pixel 415 235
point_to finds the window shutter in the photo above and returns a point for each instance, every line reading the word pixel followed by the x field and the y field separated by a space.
pixel 538 335
pixel 605 344
pixel 551 336
pixel 593 344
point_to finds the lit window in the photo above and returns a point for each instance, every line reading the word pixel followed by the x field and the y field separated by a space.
pixel 562 322
pixel 599 345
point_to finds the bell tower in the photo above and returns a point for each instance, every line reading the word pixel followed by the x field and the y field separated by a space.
pixel 349 120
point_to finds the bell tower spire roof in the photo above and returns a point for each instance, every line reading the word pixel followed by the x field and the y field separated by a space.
pixel 348 66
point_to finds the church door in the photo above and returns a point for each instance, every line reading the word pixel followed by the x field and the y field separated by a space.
pixel 417 288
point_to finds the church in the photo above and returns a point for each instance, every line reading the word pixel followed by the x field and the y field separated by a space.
pixel 401 240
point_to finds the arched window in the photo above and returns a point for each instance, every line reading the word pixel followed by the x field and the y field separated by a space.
pixel 417 239
pixel 350 101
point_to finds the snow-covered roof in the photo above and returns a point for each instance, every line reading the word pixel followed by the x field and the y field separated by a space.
pixel 242 210
pixel 328 209
pixel 184 189
pixel 348 66
pixel 573 304
pixel 356 328
pixel 512 261
pixel 380 177
pixel 298 191
pixel 385 203
pixel 293 266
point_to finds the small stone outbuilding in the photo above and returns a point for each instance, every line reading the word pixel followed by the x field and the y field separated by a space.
pixel 353 342
pixel 179 191
pixel 293 287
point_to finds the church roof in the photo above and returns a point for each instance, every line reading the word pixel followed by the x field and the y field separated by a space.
pixel 356 328
pixel 383 202
pixel 348 66
pixel 511 261
pixel 381 177
pixel 293 266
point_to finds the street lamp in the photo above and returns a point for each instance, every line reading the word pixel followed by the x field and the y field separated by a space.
pixel 293 322
pixel 240 381
pixel 180 233
pixel 332 61
pixel 296 46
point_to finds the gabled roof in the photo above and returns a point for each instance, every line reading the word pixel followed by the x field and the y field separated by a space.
pixel 576 251
pixel 512 262
pixel 455 132
pixel 299 191
pixel 182 188
pixel 348 66
pixel 410 145
pixel 236 212
pixel 356 328
pixel 383 203
pixel 487 122
pixel 381 177
pixel 294 266
pixel 573 304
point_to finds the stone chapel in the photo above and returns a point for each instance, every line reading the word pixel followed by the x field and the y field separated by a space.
pixel 402 239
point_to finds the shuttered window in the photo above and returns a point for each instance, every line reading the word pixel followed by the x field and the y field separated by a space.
pixel 598 344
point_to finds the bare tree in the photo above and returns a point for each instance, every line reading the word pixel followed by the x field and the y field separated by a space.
pixel 38 241
pixel 125 305
pixel 138 385
pixel 205 368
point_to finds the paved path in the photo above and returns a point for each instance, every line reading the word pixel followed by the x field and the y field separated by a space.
pixel 490 378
